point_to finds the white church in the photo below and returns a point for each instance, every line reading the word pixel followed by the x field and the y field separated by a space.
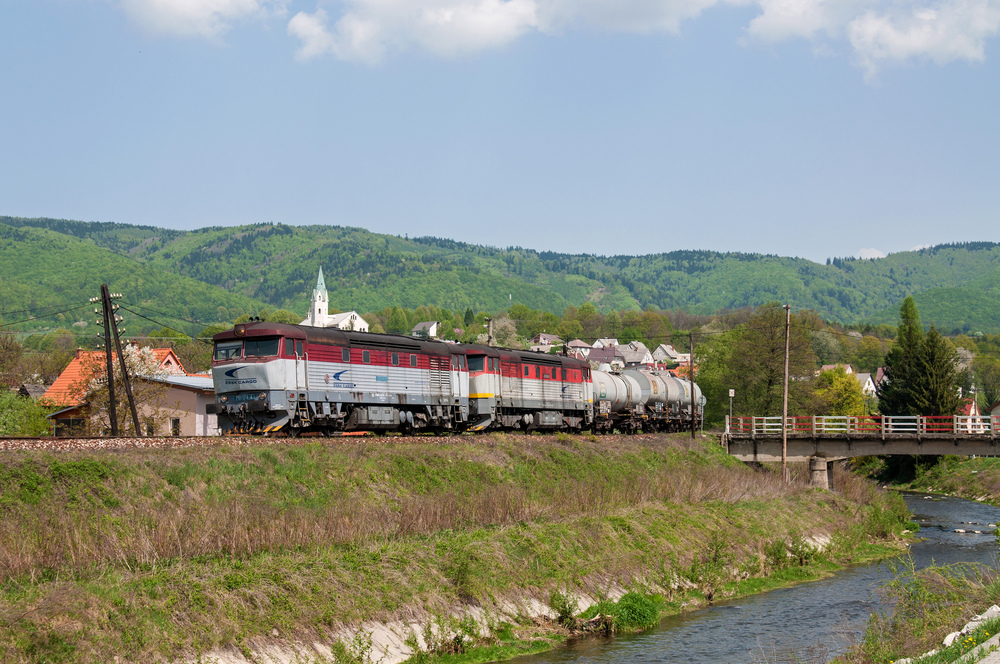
pixel 319 312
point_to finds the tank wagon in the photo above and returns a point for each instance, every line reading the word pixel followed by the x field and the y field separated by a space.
pixel 272 377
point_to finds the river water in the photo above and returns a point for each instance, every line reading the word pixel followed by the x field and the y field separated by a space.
pixel 811 622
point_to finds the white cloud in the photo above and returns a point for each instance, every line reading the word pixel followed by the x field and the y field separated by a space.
pixel 948 31
pixel 871 253
pixel 878 32
pixel 197 18
pixel 370 28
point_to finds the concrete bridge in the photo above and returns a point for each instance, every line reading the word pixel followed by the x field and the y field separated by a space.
pixel 820 439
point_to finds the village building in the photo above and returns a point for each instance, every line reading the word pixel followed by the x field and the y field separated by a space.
pixel 543 339
pixel 848 369
pixel 320 316
pixel 579 349
pixel 427 329
pixel 665 354
pixel 608 355
pixel 605 343
pixel 867 384
pixel 178 408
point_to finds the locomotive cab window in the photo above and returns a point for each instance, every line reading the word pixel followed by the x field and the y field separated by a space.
pixel 227 350
pixel 261 347
pixel 476 363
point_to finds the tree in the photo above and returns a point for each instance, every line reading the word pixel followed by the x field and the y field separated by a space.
pixel 469 317
pixel 935 386
pixel 751 360
pixel 21 416
pixel 840 394
pixel 987 379
pixel 397 323
pixel 902 364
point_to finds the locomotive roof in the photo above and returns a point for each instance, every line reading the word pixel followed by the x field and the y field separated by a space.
pixel 397 342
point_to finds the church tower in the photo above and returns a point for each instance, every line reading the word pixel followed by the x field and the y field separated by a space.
pixel 320 304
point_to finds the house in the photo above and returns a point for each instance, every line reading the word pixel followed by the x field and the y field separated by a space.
pixel 972 421
pixel 848 369
pixel 579 349
pixel 69 388
pixel 542 339
pixel 994 410
pixel 605 343
pixel 320 316
pixel 426 329
pixel 608 355
pixel 168 401
pixel 635 354
pixel 665 354
pixel 867 384
pixel 33 391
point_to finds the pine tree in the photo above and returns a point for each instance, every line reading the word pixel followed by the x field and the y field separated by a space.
pixel 902 364
pixel 935 388
pixel 397 323
pixel 469 317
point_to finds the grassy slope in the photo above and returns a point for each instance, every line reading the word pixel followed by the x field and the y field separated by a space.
pixel 158 553
pixel 364 270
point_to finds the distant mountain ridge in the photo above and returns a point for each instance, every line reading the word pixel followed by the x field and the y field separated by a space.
pixel 955 285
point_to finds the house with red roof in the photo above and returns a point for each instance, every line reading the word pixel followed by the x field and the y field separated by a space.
pixel 180 401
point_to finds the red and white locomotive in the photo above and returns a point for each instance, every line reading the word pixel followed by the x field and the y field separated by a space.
pixel 271 377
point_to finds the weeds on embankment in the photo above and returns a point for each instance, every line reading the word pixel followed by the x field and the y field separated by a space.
pixel 154 554
pixel 927 605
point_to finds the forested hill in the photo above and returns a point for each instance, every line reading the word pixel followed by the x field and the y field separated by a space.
pixel 956 286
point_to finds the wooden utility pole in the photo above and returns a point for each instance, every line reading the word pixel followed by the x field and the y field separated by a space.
pixel 691 379
pixel 489 332
pixel 111 320
pixel 108 358
pixel 784 399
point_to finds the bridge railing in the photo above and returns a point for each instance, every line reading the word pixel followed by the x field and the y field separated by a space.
pixel 867 426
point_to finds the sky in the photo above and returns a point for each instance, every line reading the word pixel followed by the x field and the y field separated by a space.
pixel 810 128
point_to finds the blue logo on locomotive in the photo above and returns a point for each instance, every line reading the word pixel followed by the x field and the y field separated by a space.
pixel 236 379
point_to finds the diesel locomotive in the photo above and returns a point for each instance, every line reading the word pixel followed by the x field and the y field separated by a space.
pixel 276 378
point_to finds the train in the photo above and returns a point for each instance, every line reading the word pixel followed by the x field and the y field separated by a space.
pixel 274 378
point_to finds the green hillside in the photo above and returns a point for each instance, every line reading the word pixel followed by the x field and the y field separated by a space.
pixel 277 264
pixel 43 272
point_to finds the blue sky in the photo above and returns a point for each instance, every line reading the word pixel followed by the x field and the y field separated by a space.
pixel 810 128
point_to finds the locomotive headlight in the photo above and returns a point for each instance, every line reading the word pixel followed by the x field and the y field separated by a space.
pixel 223 398
pixel 263 395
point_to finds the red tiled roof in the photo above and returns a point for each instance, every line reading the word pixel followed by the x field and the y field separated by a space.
pixel 68 390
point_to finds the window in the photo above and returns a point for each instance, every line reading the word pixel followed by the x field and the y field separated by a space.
pixel 175 426
pixel 366 357
pixel 261 347
pixel 538 371
pixel 289 348
pixel 395 359
pixel 564 374
pixel 413 360
pixel 527 371
pixel 476 363
pixel 298 349
pixel 461 362
pixel 345 354
pixel 227 350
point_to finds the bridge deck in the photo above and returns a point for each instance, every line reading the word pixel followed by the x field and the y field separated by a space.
pixel 759 438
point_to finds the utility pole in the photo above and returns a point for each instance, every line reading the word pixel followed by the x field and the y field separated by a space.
pixel 489 332
pixel 109 359
pixel 784 399
pixel 111 320
pixel 691 378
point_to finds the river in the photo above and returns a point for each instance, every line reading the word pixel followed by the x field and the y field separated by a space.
pixel 811 622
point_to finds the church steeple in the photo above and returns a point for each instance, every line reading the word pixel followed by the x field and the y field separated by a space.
pixel 320 304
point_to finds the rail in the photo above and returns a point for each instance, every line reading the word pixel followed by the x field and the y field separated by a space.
pixel 871 425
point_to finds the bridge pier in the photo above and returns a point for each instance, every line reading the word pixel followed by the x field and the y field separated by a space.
pixel 818 473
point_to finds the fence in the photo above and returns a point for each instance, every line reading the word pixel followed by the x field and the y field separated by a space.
pixel 870 425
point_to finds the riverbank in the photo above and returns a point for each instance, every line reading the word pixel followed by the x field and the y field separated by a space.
pixel 300 549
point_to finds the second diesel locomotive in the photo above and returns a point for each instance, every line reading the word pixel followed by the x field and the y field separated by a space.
pixel 272 377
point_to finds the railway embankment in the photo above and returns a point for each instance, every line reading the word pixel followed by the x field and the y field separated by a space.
pixel 395 548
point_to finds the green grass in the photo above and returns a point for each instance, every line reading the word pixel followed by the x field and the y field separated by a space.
pixel 150 554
